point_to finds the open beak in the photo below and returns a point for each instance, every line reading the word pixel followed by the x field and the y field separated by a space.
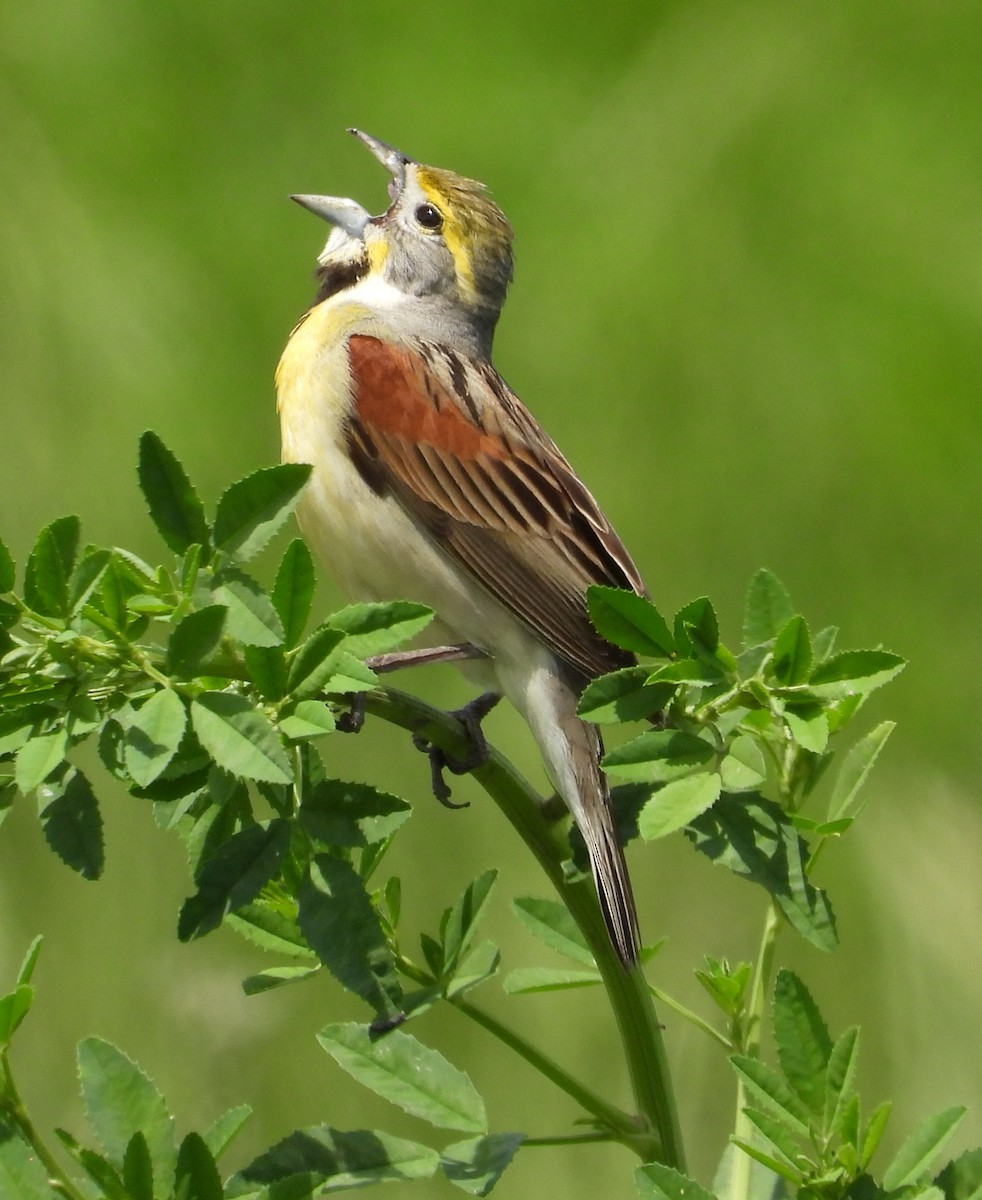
pixel 349 215
pixel 392 159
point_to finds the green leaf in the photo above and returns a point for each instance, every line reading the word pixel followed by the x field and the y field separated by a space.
pixel 293 590
pixel 696 627
pixel 658 756
pixel 72 824
pixel 196 1176
pixel 767 1087
pixel 153 736
pixel 86 578
pixel 756 840
pixel 26 971
pixel 341 926
pixel 854 672
pixel 119 1098
pixel 961 1179
pixel 764 1183
pixel 809 727
pixel 8 573
pixel 855 770
pixel 629 621
pixel 768 608
pixel 309 719
pixel 49 568
pixel 402 1070
pixel 792 655
pixel 222 1132
pixel 98 1169
pixel 743 768
pixel 349 674
pixel 252 619
pixel 476 1165
pixel 476 967
pixel 624 695
pixel 840 1077
pixel 276 977
pixel 240 738
pixel 875 1127
pixel 920 1149
pixel 803 1043
pixel 173 503
pixel 378 628
pixel 14 1007
pixel 776 1166
pixel 528 980
pixel 252 510
pixel 272 926
pixel 776 1134
pixel 320 1159
pixel 22 1177
pixel 553 924
pixel 657 1182
pixel 138 1168
pixel 233 876
pixel 461 921
pixel 313 662
pixel 39 758
pixel 195 638
pixel 341 813
pixel 677 803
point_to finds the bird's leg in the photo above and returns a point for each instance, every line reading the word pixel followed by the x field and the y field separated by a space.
pixel 354 718
pixel 470 716
pixel 422 658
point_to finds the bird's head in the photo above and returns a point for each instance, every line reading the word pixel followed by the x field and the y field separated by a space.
pixel 442 236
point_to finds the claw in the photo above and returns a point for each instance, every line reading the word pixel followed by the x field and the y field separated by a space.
pixel 470 716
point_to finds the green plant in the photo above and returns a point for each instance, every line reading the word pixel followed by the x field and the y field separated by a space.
pixel 208 698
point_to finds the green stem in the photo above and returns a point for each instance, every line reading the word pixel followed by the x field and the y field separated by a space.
pixel 657 1133
pixel 750 1045
pixel 621 1126
pixel 13 1106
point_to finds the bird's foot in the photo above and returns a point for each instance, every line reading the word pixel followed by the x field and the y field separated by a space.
pixel 354 718
pixel 470 716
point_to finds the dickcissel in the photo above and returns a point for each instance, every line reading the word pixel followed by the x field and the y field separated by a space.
pixel 433 482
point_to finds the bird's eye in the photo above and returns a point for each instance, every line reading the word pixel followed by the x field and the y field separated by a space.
pixel 429 217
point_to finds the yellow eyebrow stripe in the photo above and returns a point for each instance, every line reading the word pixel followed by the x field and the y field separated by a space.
pixel 453 235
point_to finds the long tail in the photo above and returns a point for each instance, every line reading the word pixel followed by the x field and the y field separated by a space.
pixel 572 752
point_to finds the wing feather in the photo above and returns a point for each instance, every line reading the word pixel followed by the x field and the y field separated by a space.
pixel 449 439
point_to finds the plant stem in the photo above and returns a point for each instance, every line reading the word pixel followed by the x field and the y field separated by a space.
pixel 13 1106
pixel 750 1045
pixel 621 1126
pixel 657 1134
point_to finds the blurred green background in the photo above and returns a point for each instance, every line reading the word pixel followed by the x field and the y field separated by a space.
pixel 747 305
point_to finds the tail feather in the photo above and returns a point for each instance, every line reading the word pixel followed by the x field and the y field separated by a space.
pixel 596 823
pixel 572 749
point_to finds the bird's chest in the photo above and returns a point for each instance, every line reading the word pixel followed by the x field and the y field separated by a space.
pixel 365 538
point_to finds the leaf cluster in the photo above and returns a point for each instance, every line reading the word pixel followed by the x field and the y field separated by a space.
pixel 215 700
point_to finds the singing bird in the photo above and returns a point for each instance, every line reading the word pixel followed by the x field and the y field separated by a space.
pixel 433 482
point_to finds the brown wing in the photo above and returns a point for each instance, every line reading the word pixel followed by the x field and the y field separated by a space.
pixel 447 437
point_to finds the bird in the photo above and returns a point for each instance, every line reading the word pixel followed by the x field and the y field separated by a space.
pixel 431 481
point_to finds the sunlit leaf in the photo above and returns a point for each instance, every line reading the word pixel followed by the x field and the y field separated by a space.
pixel 240 737
pixel 768 607
pixel 252 510
pixel 119 1098
pixel 321 1160
pixel 402 1070
pixel 629 621
pixel 476 1165
pixel 173 503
